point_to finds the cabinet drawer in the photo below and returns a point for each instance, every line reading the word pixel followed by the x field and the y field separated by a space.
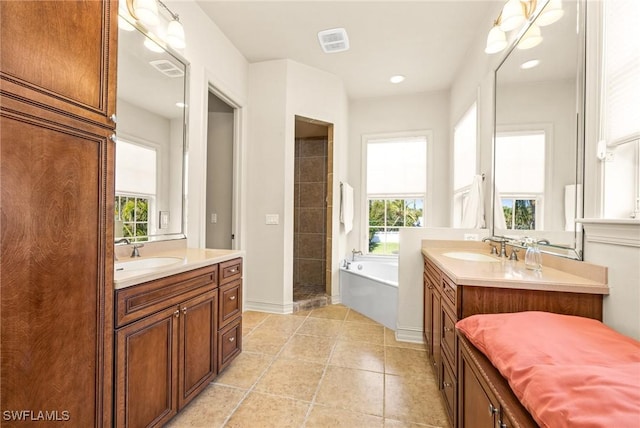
pixel 230 302
pixel 449 290
pixel 140 300
pixel 230 271
pixel 449 390
pixel 448 340
pixel 229 343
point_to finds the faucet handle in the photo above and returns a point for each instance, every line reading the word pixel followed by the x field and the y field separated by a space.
pixel 514 253
pixel 136 252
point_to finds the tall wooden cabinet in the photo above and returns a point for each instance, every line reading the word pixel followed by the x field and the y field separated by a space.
pixel 57 96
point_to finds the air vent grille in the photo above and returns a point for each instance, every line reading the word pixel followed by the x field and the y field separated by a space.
pixel 167 68
pixel 334 40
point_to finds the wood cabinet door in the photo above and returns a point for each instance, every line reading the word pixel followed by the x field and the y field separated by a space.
pixel 55 280
pixel 147 370
pixel 475 408
pixel 436 333
pixel 61 55
pixel 198 334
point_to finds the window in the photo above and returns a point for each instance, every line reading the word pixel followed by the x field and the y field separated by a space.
pixel 520 178
pixel 135 190
pixel 620 116
pixel 396 183
pixel 464 161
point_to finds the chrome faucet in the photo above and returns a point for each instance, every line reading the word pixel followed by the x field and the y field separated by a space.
pixel 503 245
pixel 123 241
pixel 353 254
pixel 136 252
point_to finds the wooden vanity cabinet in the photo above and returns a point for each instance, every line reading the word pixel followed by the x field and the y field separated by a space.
pixel 230 312
pixel 57 95
pixel 166 345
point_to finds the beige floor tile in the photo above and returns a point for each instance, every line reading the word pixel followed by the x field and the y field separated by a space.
pixel 357 316
pixel 356 390
pixel 245 370
pixel 358 355
pixel 414 399
pixel 250 319
pixel 334 312
pixel 264 342
pixel 267 411
pixel 403 361
pixel 320 327
pixel 309 348
pixel 302 313
pixel 291 378
pixel 323 417
pixel 200 413
pixel 362 332
pixel 390 340
pixel 284 325
pixel 392 423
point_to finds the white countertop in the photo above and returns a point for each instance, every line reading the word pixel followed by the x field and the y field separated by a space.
pixel 191 258
pixel 510 274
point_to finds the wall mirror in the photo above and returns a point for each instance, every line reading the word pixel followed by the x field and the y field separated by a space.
pixel 151 129
pixel 539 137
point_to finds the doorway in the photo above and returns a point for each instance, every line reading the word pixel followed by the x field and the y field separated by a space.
pixel 220 172
pixel 313 207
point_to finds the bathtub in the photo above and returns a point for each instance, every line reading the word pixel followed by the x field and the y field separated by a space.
pixel 371 288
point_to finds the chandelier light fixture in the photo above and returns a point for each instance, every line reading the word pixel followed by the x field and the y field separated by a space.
pixel 147 14
pixel 514 15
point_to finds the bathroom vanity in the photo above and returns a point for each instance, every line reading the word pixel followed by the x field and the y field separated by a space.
pixel 176 327
pixel 458 284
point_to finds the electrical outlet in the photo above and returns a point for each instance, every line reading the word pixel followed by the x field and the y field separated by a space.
pixel 272 219
pixel 610 156
pixel 214 218
pixel 470 236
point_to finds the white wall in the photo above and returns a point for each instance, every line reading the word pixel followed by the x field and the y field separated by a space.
pixel 422 111
pixel 278 91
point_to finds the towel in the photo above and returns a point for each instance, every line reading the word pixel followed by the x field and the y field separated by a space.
pixel 473 211
pixel 499 221
pixel 346 207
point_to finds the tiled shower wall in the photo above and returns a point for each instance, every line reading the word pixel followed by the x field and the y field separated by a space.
pixel 309 263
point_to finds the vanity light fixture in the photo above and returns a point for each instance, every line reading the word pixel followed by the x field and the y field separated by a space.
pixel 147 13
pixel 514 14
pixel 397 78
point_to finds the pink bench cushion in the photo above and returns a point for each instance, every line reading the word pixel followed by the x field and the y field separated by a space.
pixel 567 371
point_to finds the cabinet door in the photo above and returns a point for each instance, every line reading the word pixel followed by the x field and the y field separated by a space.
pixel 476 409
pixel 437 333
pixel 147 370
pixel 55 281
pixel 198 333
pixel 61 54
pixel 427 317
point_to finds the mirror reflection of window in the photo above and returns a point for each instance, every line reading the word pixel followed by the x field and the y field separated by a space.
pixel 135 180
pixel 396 189
pixel 464 161
pixel 519 180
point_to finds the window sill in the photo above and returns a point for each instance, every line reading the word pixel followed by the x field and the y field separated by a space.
pixel 625 232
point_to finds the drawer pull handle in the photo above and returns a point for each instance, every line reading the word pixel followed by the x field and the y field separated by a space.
pixel 177 314
pixel 448 329
pixel 492 409
pixel 233 270
pixel 232 339
pixel 184 310
pixel 232 297
pixel 446 385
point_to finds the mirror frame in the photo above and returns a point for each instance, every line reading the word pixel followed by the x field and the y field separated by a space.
pixel 185 131
pixel 575 252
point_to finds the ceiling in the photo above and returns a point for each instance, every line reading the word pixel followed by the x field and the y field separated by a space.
pixel 424 40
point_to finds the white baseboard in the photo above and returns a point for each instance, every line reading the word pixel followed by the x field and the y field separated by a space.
pixel 409 334
pixel 271 307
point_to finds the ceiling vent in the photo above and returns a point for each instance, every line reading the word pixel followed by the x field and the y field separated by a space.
pixel 167 68
pixel 334 40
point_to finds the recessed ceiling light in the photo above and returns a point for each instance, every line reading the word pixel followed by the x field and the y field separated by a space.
pixel 530 64
pixel 397 78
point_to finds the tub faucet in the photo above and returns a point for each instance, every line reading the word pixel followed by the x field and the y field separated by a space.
pixel 353 254
pixel 347 264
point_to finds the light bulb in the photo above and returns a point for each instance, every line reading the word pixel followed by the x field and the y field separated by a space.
pixel 550 14
pixel 531 38
pixel 512 16
pixel 496 41
pixel 146 11
pixel 175 35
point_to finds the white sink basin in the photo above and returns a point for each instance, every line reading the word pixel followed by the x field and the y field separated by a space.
pixel 150 263
pixel 472 257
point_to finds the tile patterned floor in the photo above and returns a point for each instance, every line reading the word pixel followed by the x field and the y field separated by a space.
pixel 327 367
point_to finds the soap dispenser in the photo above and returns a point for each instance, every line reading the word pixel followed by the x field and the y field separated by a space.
pixel 532 257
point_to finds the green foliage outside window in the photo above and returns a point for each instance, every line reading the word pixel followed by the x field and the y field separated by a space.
pixel 520 214
pixel 386 216
pixel 133 214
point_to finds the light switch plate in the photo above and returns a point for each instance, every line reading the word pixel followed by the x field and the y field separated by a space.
pixel 164 219
pixel 272 219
